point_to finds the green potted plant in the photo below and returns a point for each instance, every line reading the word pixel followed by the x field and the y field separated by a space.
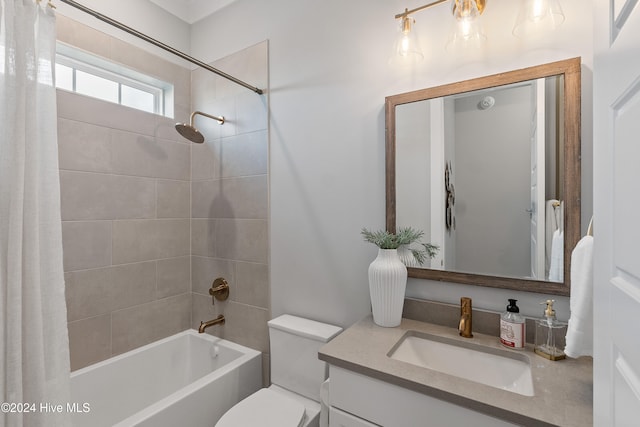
pixel 388 273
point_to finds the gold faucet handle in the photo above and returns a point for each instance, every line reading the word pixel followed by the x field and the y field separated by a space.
pixel 219 290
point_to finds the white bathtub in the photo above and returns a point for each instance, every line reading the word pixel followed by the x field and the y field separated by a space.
pixel 186 380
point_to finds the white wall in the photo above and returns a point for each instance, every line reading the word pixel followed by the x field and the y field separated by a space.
pixel 329 76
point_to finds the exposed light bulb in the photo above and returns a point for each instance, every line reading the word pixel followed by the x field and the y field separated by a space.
pixel 467 31
pixel 407 48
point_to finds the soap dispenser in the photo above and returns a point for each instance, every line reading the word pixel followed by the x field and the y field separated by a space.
pixel 550 334
pixel 512 327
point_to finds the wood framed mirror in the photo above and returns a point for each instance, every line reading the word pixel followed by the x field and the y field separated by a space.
pixel 489 168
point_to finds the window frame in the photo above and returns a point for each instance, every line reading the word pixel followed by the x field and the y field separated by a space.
pixel 78 60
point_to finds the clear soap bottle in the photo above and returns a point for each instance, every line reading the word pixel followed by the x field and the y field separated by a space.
pixel 512 327
pixel 550 334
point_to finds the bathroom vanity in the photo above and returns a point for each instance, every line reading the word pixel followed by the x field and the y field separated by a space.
pixel 375 381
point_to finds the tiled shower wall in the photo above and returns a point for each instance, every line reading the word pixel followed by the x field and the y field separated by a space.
pixel 125 194
pixel 229 199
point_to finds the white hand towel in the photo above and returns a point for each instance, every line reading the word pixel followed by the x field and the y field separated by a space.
pixel 580 330
pixel 556 270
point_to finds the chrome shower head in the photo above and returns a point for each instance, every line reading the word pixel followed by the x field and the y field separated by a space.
pixel 190 132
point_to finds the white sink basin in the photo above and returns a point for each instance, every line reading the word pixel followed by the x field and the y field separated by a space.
pixel 490 366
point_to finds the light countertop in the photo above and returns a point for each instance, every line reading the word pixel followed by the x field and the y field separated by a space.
pixel 563 389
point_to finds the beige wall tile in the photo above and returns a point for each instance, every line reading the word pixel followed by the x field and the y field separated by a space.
pixel 89 341
pixel 174 199
pixel 143 155
pixel 86 244
pixel 90 196
pixel 205 160
pixel 130 119
pixel 242 240
pixel 245 154
pixel 206 201
pixel 134 153
pixel 203 310
pixel 205 270
pixel 251 112
pixel 204 84
pixel 144 61
pixel 181 78
pixel 230 198
pixel 246 325
pixel 247 197
pixel 173 315
pixel 83 147
pixel 203 241
pixel 140 325
pixel 143 240
pixel 79 35
pixel 100 291
pixel 173 277
pixel 252 284
pixel 83 108
pixel 249 64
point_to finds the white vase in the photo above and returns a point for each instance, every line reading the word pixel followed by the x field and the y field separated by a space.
pixel 387 283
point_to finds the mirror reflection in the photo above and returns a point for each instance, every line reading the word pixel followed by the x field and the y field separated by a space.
pixel 479 172
pixel 489 168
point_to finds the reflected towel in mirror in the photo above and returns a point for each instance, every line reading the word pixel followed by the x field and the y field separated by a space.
pixel 556 270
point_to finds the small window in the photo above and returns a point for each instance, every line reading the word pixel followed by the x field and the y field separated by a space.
pixel 80 72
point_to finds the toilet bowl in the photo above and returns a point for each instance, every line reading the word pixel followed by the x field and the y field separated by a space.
pixel 293 399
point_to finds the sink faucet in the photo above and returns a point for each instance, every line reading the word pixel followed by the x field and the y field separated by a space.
pixel 465 325
pixel 205 325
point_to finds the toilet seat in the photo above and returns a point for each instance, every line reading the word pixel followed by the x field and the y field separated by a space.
pixel 264 408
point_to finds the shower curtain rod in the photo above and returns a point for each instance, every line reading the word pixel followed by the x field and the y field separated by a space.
pixel 159 44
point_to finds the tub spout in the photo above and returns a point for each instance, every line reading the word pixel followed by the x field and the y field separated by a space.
pixel 205 325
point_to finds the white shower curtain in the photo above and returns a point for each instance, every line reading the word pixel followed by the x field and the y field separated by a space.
pixel 34 345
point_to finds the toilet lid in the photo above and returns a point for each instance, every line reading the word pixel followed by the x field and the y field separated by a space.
pixel 264 408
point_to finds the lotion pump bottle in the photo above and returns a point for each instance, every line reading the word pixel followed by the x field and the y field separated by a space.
pixel 512 327
pixel 550 334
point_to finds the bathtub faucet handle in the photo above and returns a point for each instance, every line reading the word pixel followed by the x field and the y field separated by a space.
pixel 219 290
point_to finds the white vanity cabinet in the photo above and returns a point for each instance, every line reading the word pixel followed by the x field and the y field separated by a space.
pixel 360 401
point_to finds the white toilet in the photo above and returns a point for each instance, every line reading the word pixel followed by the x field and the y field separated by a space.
pixel 293 399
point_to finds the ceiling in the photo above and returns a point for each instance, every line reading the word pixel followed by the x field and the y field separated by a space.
pixel 191 11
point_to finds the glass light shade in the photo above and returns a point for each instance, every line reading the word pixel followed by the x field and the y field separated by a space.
pixel 406 48
pixel 538 17
pixel 467 32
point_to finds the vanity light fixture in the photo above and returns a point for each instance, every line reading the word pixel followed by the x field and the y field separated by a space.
pixel 467 30
pixel 535 17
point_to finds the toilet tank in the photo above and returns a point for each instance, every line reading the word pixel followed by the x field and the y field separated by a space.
pixel 294 344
